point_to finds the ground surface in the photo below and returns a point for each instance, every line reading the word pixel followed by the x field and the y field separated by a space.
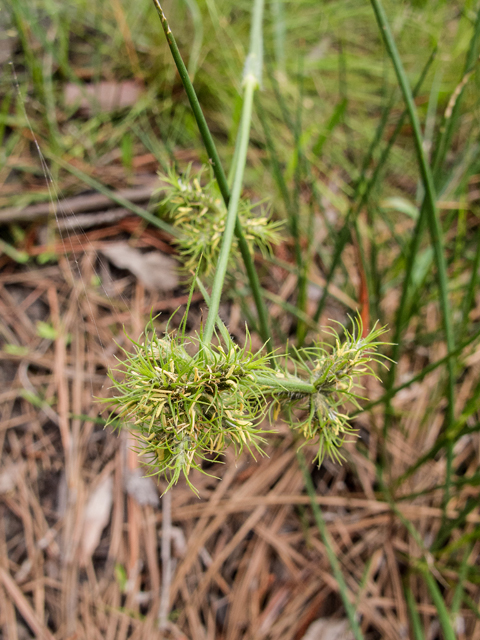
pixel 81 530
pixel 90 100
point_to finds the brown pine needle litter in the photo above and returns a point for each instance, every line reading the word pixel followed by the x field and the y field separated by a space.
pixel 346 208
pixel 247 559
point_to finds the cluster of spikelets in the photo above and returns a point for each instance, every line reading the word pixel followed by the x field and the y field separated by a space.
pixel 336 374
pixel 193 204
pixel 186 401
pixel 184 407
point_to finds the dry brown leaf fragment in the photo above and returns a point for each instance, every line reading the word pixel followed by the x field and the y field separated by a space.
pixel 155 270
pixel 328 629
pixel 96 518
pixel 142 488
pixel 102 96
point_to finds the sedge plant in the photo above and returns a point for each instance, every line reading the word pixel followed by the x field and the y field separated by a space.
pixel 193 204
pixel 188 397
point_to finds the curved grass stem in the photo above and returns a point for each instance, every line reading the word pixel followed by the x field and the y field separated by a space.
pixel 250 85
pixel 430 197
pixel 214 158
pixel 327 541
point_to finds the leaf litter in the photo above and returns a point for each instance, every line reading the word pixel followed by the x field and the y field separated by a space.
pixel 249 562
pixel 247 559
pixel 253 564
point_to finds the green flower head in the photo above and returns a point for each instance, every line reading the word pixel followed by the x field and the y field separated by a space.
pixel 186 401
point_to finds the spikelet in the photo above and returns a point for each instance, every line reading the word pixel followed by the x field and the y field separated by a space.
pixel 193 204
pixel 184 408
pixel 336 375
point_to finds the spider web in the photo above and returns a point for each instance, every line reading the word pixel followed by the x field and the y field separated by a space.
pixel 66 221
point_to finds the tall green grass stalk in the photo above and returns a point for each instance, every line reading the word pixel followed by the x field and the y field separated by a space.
pixel 368 187
pixel 430 197
pixel 251 81
pixel 416 623
pixel 216 163
pixel 439 602
pixel 327 541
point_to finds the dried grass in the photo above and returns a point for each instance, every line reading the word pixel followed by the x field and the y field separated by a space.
pixel 247 561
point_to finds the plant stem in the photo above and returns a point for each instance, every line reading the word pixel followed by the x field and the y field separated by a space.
pixel 439 602
pixel 414 616
pixel 219 175
pixel 332 558
pixel 289 385
pixel 430 198
pixel 244 133
pixel 368 187
pixel 253 70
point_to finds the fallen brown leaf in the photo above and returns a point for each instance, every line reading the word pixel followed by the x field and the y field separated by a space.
pixel 97 515
pixel 154 269
pixel 102 96
pixel 328 629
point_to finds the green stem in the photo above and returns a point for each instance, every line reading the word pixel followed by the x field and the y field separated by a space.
pixel 219 174
pixel 279 31
pixel 368 187
pixel 439 602
pixel 327 541
pixel 220 273
pixel 430 198
pixel 410 258
pixel 263 324
pixel 194 103
pixel 416 623
pixel 290 385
